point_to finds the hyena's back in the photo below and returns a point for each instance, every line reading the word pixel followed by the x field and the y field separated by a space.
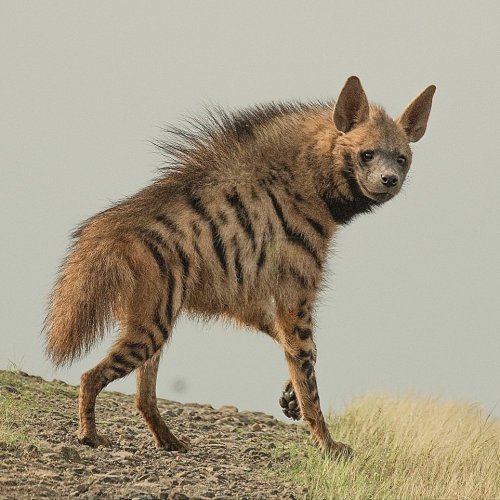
pixel 229 240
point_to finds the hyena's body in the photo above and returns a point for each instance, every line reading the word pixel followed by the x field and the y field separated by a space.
pixel 239 228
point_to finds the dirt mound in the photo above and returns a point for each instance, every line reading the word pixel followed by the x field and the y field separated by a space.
pixel 234 454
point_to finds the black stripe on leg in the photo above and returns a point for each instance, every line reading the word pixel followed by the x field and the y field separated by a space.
pixel 150 335
pixel 120 360
pixel 119 372
pixel 135 348
pixel 303 333
pixel 243 216
pixel 136 356
pixel 308 368
pixel 304 354
pixel 292 235
pixel 164 332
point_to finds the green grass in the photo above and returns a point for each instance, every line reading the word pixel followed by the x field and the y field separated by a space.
pixel 406 448
pixel 16 410
pixel 24 399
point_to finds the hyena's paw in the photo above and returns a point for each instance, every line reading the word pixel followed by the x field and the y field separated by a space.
pixel 289 403
pixel 181 445
pixel 94 440
pixel 339 451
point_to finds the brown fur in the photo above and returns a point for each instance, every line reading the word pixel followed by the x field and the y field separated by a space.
pixel 239 228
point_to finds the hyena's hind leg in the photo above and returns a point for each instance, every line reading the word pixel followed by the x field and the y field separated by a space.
pixel 147 406
pixel 147 321
pixel 138 343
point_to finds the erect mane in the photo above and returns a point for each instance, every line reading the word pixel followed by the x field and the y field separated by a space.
pixel 217 127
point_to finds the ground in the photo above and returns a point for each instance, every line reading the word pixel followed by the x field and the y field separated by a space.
pixel 405 447
pixel 234 454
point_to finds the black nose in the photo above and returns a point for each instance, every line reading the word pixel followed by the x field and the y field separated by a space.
pixel 389 180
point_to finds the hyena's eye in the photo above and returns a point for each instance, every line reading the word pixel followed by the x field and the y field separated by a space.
pixel 401 160
pixel 367 156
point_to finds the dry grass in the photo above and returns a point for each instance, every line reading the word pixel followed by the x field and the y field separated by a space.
pixel 407 448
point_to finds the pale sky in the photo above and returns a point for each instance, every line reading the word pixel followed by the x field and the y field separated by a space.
pixel 413 296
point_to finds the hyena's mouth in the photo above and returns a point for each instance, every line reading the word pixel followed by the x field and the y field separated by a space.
pixel 377 196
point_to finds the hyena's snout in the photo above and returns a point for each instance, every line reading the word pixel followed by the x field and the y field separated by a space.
pixel 390 179
pixel 381 184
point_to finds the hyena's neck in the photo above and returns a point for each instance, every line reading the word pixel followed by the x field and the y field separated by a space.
pixel 331 161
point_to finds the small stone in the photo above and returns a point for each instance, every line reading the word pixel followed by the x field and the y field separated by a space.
pixel 228 409
pixel 10 389
pixel 179 496
pixel 123 454
pixel 256 427
pixel 8 482
pixel 70 454
pixel 60 382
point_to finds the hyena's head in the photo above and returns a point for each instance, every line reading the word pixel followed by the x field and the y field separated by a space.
pixel 375 148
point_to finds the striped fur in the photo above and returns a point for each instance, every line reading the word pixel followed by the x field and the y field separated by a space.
pixel 238 227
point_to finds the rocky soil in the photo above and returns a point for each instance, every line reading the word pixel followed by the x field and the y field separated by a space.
pixel 234 454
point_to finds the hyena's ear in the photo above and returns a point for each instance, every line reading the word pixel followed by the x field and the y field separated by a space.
pixel 352 106
pixel 415 116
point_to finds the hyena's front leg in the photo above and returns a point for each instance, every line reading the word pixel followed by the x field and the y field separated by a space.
pixel 295 334
pixel 300 318
pixel 289 402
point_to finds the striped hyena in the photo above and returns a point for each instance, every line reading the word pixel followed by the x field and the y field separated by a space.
pixel 237 228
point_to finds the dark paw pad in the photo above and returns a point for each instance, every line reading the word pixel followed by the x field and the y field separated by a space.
pixel 290 404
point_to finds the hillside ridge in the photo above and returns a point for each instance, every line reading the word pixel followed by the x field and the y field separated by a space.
pixel 234 454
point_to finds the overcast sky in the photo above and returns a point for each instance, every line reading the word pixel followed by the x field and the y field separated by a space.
pixel 413 302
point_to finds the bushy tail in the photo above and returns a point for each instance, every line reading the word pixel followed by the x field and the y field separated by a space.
pixel 94 281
